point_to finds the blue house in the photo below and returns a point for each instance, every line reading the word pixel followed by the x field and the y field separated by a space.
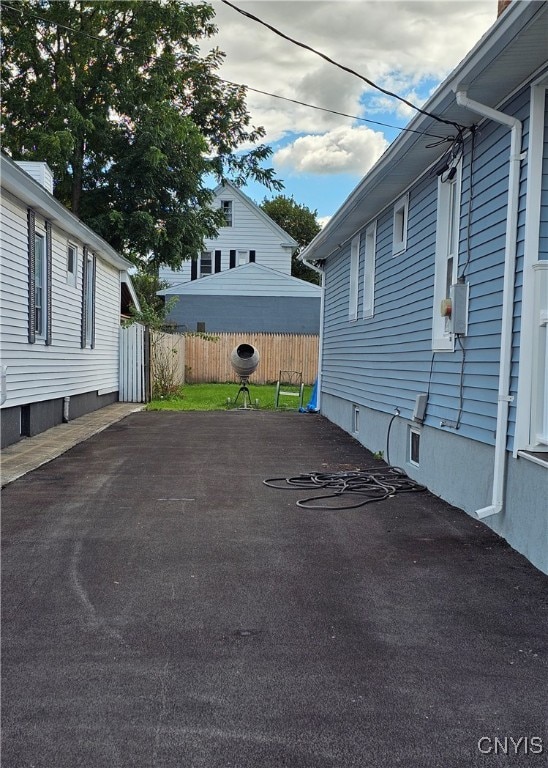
pixel 434 335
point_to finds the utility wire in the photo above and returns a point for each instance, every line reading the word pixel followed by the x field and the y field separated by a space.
pixel 341 66
pixel 334 112
pixel 237 85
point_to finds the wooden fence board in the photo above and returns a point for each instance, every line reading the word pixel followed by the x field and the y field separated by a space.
pixel 209 361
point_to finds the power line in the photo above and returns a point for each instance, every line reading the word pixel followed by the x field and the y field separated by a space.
pixel 333 111
pixel 341 66
pixel 230 82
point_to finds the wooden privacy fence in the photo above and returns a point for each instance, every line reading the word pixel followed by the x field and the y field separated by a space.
pixel 209 361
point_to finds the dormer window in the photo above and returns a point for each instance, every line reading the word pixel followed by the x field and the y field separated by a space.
pixel 226 207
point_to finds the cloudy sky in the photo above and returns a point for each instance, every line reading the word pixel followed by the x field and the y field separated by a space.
pixel 406 46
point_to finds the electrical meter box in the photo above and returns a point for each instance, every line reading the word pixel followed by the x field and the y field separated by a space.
pixel 459 308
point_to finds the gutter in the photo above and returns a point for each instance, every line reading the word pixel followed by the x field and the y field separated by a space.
pixel 504 397
pixel 320 272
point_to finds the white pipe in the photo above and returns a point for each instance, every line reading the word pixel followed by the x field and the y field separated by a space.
pixel 66 409
pixel 321 272
pixel 504 397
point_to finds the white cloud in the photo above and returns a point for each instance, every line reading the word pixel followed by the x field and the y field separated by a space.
pixel 342 150
pixel 397 44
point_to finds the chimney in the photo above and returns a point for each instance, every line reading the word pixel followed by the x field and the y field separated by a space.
pixel 502 5
pixel 40 172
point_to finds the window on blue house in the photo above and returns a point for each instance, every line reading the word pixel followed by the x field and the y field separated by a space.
pixel 369 271
pixel 447 258
pixel 399 228
pixel 354 270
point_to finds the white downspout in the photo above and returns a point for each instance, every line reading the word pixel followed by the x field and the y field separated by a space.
pixel 504 397
pixel 320 341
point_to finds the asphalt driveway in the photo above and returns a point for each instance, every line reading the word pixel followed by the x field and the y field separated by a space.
pixel 163 607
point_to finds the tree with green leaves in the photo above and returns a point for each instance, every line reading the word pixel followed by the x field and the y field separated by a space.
pixel 301 223
pixel 130 115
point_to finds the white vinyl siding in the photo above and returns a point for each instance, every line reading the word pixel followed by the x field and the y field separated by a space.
pixel 249 232
pixel 369 271
pixel 37 372
pixel 447 257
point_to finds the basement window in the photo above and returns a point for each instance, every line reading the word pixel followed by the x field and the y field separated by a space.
pixel 414 446
pixel 355 419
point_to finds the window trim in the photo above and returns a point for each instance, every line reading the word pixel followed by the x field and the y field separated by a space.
pixel 72 275
pixel 89 297
pixel 201 273
pixel 370 252
pixel 354 278
pixel 400 221
pixel 228 212
pixel 355 419
pixel 41 284
pixel 414 431
pixel 448 222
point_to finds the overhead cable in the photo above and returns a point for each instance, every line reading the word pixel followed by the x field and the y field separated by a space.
pixel 324 56
pixel 230 82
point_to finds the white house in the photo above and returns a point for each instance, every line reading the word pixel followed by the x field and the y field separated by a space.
pixel 62 291
pixel 249 235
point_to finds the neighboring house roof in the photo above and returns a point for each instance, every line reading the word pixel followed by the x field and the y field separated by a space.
pixel 286 239
pixel 505 57
pixel 246 280
pixel 25 188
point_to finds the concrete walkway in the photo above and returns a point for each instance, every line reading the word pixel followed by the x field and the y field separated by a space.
pixel 31 452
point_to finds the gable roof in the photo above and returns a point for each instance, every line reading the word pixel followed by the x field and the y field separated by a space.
pixel 286 239
pixel 513 50
pixel 246 280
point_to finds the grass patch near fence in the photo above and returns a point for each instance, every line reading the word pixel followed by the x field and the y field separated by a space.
pixel 214 397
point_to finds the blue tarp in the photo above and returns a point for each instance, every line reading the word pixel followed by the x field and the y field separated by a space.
pixel 312 406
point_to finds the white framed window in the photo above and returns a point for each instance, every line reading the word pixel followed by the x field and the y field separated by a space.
pixel 72 264
pixel 414 446
pixel 369 271
pixel 447 259
pixel 242 257
pixel 355 419
pixel 399 227
pixel 40 285
pixel 539 409
pixel 90 300
pixel 354 270
pixel 226 207
pixel 206 264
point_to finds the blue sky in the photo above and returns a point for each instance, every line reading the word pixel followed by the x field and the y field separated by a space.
pixel 406 46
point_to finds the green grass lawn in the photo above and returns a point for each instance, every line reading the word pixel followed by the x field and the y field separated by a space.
pixel 214 397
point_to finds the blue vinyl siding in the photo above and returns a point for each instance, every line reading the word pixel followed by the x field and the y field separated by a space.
pixel 383 362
